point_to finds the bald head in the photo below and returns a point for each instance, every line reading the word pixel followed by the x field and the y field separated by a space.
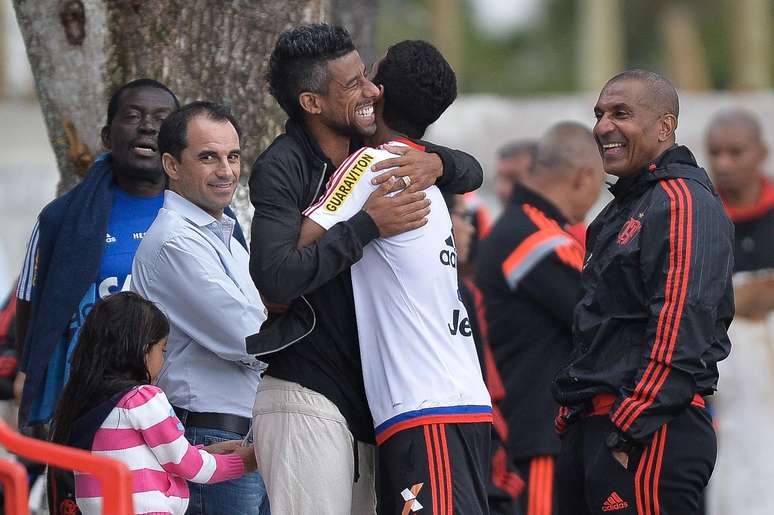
pixel 661 95
pixel 738 120
pixel 737 153
pixel 568 169
pixel 563 148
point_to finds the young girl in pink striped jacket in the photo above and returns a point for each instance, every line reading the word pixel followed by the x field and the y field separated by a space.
pixel 110 408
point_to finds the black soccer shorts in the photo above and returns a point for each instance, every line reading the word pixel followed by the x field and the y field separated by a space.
pixel 435 469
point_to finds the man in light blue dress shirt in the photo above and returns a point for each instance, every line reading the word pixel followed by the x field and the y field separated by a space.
pixel 191 266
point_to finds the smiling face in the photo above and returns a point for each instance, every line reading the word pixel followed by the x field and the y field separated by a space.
pixel 348 106
pixel 630 131
pixel 132 136
pixel 208 171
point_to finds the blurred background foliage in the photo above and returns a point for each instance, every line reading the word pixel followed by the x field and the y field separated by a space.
pixel 542 52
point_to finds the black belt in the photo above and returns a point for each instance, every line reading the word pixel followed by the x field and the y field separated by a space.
pixel 221 421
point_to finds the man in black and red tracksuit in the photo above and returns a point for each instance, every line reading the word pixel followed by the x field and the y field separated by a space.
pixel 528 270
pixel 651 325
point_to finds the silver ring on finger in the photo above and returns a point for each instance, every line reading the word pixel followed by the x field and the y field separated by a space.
pixel 406 180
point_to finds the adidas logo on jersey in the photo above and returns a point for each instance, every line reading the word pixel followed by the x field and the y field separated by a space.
pixel 614 503
pixel 109 238
pixel 410 497
pixel 448 257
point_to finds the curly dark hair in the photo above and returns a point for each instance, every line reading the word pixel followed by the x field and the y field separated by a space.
pixel 115 98
pixel 419 84
pixel 299 60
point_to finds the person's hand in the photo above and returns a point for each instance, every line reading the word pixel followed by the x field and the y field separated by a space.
pixel 754 298
pixel 247 453
pixel 226 447
pixel 18 386
pixel 421 168
pixel 621 457
pixel 397 214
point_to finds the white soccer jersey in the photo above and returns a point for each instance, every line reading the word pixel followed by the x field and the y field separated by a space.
pixel 417 351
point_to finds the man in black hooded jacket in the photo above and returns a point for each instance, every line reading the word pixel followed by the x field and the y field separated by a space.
pixel 651 323
pixel 311 404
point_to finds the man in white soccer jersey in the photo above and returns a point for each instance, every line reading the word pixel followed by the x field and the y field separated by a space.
pixel 431 409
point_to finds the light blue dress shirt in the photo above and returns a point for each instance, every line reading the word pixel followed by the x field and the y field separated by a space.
pixel 191 266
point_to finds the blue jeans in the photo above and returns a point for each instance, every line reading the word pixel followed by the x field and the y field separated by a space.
pixel 243 496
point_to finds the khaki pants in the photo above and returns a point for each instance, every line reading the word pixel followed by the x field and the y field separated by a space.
pixel 306 456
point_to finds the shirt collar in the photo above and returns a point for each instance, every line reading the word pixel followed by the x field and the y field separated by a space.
pixel 521 194
pixel 223 228
pixel 676 161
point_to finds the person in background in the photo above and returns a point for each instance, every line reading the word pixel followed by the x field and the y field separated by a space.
pixel 82 245
pixel 514 161
pixel 529 274
pixel 8 354
pixel 742 408
pixel 504 485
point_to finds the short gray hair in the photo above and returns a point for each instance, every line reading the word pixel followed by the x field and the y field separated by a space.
pixel 661 92
pixel 563 147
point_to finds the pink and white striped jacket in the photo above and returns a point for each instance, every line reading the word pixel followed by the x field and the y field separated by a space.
pixel 143 432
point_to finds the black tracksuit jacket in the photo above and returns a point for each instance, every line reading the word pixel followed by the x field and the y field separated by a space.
pixel 315 343
pixel 528 270
pixel 657 298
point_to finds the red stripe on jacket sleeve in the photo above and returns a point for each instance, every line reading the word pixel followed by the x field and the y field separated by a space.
pixel 670 316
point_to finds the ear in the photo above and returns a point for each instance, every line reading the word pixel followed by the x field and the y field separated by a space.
pixel 579 178
pixel 105 137
pixel 667 127
pixel 310 102
pixel 764 152
pixel 170 165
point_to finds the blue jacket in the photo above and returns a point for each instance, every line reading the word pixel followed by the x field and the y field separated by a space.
pixel 70 245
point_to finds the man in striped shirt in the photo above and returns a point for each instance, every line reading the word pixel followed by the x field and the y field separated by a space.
pixel 651 323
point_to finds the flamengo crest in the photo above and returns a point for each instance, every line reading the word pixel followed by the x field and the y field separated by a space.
pixel 629 230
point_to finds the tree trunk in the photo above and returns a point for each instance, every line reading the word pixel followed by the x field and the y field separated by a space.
pixel 81 50
pixel 600 43
pixel 750 24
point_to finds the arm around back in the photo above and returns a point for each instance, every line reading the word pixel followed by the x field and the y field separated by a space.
pixel 281 270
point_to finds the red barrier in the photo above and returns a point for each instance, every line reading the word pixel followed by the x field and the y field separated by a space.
pixel 113 475
pixel 14 479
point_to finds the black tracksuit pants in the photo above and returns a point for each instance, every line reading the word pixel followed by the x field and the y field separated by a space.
pixel 539 496
pixel 665 477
